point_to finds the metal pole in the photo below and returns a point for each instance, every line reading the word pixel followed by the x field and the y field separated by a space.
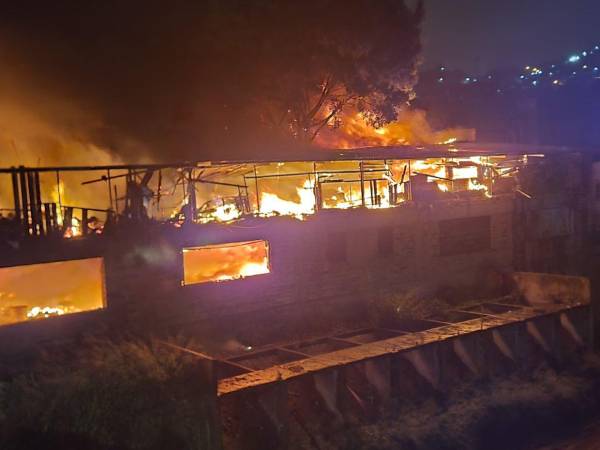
pixel 192 197
pixel 24 202
pixel 256 186
pixel 362 184
pixel 32 205
pixel 110 194
pixel 409 190
pixel 58 189
pixel 15 187
pixel 317 189
pixel 38 201
pixel 116 200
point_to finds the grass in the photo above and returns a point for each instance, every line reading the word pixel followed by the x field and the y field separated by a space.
pixel 107 394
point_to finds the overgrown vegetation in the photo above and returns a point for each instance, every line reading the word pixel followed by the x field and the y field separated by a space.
pixel 411 305
pixel 108 394
pixel 514 413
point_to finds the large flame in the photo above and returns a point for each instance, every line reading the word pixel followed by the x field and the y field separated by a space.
pixel 353 130
pixel 225 262
pixel 271 204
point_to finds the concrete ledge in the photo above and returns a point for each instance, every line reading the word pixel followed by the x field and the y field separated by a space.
pixel 538 322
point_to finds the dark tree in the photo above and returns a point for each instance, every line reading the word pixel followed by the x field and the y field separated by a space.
pixel 317 57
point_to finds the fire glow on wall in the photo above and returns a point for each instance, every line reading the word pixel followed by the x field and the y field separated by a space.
pixel 39 291
pixel 223 262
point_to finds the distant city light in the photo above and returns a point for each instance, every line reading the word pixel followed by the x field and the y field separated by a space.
pixel 534 74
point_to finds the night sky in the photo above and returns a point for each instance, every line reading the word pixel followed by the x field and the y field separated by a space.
pixel 483 35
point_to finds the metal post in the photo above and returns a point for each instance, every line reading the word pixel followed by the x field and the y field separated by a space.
pixel 84 221
pixel 256 186
pixel 24 201
pixel 116 200
pixel 110 191
pixel 68 219
pixel 362 183
pixel 316 188
pixel 32 205
pixel 54 217
pixel 409 183
pixel 58 190
pixel 48 217
pixel 191 197
pixel 38 201
pixel 247 199
pixel 17 201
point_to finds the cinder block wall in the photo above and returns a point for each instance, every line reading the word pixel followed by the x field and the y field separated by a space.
pixel 307 284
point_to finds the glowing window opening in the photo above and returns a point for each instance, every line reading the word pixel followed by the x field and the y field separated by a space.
pixel 225 262
pixel 40 291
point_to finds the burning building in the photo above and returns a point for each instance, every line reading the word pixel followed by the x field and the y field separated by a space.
pixel 360 221
pixel 282 262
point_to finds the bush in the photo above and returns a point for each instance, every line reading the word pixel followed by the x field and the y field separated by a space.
pixel 109 394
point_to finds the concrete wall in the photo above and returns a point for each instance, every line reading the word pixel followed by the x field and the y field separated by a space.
pixel 305 283
pixel 543 288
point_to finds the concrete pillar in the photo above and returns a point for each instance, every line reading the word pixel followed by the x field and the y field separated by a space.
pixel 544 332
pixel 379 376
pixel 326 384
pixel 406 381
pixel 468 350
pixel 426 362
pixel 574 331
pixel 504 340
pixel 502 345
pixel 570 324
pixel 365 389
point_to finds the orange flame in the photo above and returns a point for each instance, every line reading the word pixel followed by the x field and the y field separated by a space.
pixel 354 131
